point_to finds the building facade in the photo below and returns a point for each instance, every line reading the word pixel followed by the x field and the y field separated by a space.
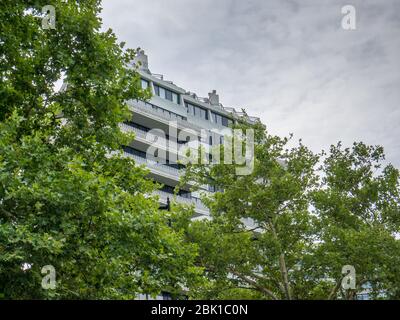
pixel 158 122
pixel 170 111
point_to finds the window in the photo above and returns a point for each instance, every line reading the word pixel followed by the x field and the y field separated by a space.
pixel 175 98
pixel 221 120
pixel 216 118
pixel 136 125
pixel 196 111
pixel 134 151
pixel 166 113
pixel 166 94
pixel 213 188
pixel 203 114
pixel 145 84
pixel 190 109
pixel 162 93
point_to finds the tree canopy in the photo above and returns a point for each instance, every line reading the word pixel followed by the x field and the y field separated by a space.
pixel 67 197
pixel 312 214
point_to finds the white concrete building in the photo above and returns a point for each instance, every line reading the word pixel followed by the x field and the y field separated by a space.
pixel 173 109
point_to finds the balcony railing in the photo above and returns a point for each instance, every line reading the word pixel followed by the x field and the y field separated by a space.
pixel 155 140
pixel 152 165
pixel 141 133
pixel 162 113
pixel 199 206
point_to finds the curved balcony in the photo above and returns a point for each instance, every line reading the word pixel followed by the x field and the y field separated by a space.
pixel 157 167
pixel 198 205
pixel 155 140
pixel 162 113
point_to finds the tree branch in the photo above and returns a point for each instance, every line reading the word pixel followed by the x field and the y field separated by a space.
pixel 253 283
pixel 334 291
pixel 282 266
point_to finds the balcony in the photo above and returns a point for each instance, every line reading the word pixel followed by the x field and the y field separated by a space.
pixel 144 135
pixel 162 114
pixel 155 140
pixel 200 208
pixel 156 167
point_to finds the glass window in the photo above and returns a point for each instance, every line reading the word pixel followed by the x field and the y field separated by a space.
pixel 145 84
pixel 215 118
pixel 197 111
pixel 136 125
pixel 168 95
pixel 165 112
pixel 221 120
pixel 157 90
pixel 162 93
pixel 175 98
pixel 189 108
pixel 134 151
pixel 204 114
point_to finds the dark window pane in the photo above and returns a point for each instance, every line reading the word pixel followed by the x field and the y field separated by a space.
pixel 134 151
pixel 157 90
pixel 197 111
pixel 136 125
pixel 168 95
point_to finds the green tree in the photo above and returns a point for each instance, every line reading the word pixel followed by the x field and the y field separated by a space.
pixel 358 203
pixel 308 224
pixel 67 196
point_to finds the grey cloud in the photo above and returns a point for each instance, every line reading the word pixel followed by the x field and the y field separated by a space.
pixel 288 62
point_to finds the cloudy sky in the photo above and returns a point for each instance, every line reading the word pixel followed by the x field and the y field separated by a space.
pixel 288 62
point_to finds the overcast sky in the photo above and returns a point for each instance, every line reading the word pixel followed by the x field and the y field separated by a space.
pixel 288 62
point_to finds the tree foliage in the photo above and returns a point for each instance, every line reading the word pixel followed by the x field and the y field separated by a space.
pixel 67 197
pixel 311 215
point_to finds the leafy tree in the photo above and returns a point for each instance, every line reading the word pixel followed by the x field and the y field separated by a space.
pixel 274 197
pixel 308 221
pixel 67 196
pixel 359 208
